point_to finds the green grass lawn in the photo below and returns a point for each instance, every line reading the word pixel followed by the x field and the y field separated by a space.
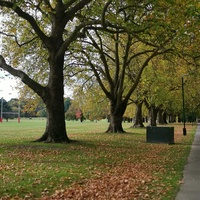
pixel 30 170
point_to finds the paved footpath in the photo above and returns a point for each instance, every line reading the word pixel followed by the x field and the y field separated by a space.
pixel 190 189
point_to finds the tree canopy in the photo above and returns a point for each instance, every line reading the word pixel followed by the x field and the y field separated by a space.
pixel 117 55
pixel 49 28
pixel 113 41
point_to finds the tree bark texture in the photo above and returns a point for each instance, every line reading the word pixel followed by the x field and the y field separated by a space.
pixel 53 98
pixel 138 116
pixel 55 126
pixel 153 115
pixel 116 116
pixel 160 117
pixel 165 117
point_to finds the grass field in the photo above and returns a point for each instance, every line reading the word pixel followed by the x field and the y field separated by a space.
pixel 97 166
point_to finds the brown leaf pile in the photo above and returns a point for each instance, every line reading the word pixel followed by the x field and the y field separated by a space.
pixel 126 182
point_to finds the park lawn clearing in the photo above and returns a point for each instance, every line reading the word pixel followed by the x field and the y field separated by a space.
pixel 97 166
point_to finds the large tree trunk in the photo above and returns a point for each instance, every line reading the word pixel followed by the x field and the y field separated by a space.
pixel 55 126
pixel 115 125
pixel 54 101
pixel 138 116
pixel 116 116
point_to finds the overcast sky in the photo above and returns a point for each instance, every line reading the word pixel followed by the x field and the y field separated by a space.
pixel 7 84
pixel 7 87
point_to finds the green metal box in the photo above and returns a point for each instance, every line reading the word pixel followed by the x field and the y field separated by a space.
pixel 156 134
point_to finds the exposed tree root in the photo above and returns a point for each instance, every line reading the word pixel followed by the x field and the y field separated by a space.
pixel 47 139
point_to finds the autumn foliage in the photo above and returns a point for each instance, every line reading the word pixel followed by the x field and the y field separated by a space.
pixel 79 114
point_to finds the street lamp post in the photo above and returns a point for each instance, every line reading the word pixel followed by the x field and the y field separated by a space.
pixel 1 117
pixel 183 98
pixel 19 112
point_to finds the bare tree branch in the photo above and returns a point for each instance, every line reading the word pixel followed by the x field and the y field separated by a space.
pixel 24 77
pixel 16 40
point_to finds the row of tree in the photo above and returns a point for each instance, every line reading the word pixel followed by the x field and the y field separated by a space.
pixel 158 97
pixel 48 44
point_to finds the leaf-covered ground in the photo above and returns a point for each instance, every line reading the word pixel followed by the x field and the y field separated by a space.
pixel 98 166
pixel 145 177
